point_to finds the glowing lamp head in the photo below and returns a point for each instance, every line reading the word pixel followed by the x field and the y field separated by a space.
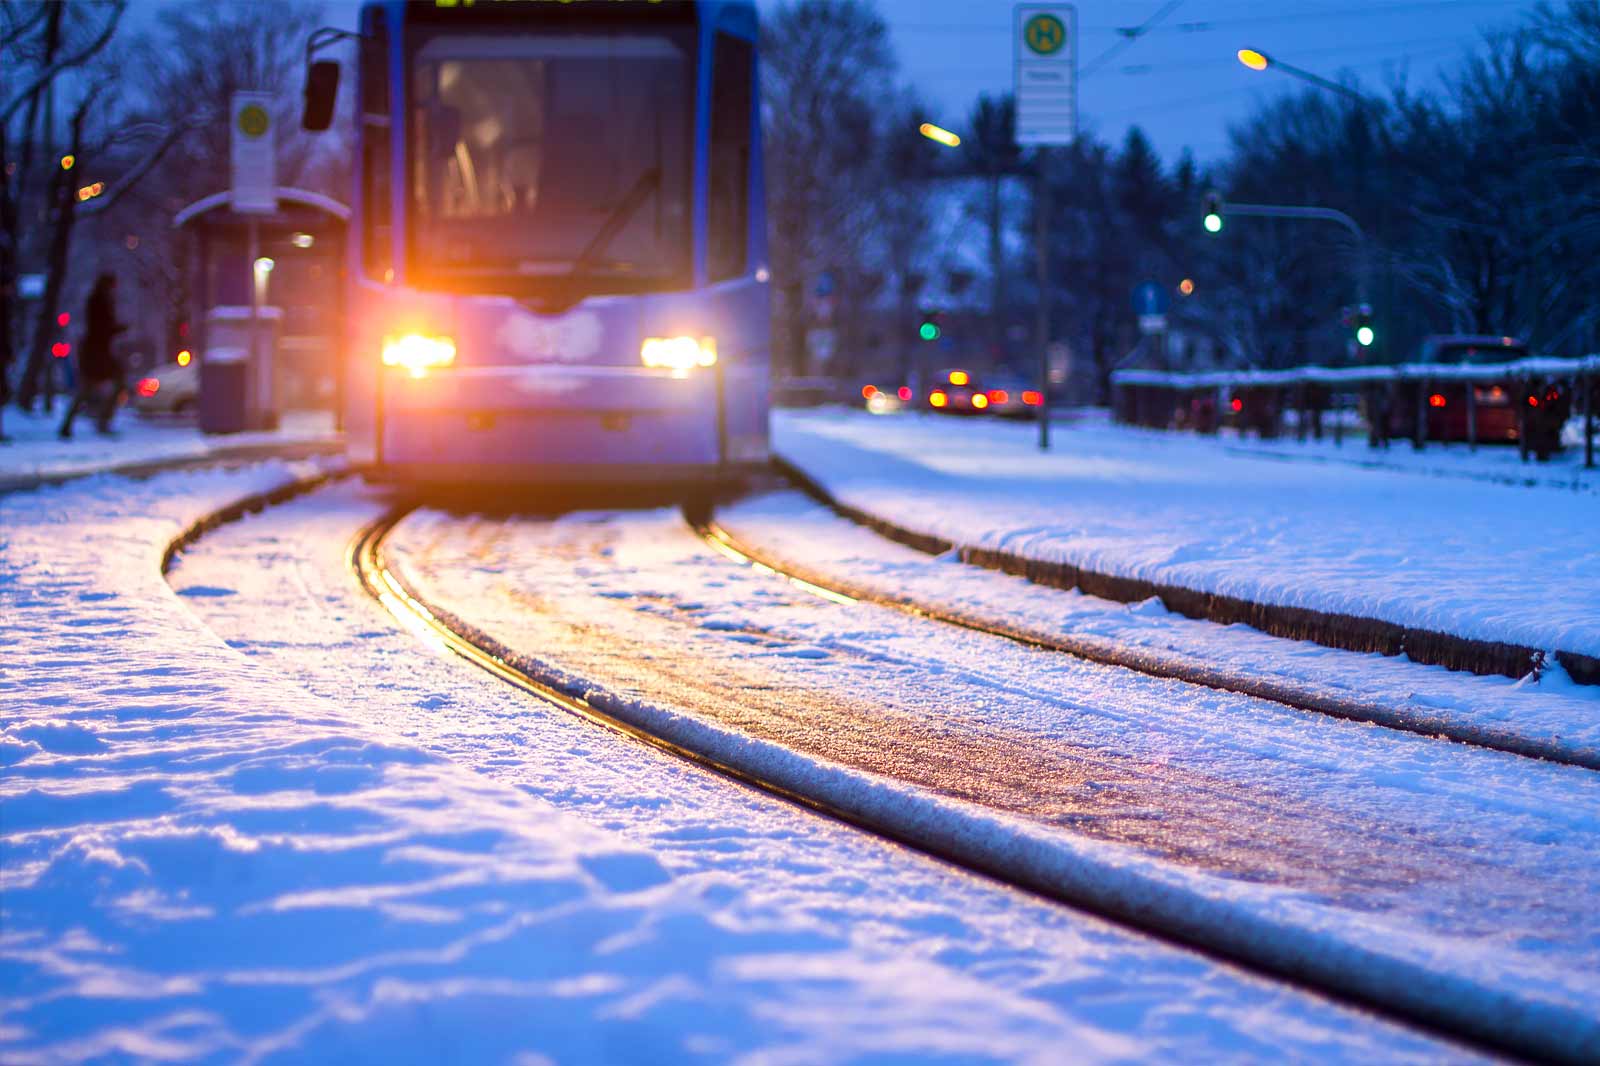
pixel 185 357
pixel 1213 223
pixel 678 354
pixel 1365 336
pixel 1253 59
pixel 418 354
pixel 940 135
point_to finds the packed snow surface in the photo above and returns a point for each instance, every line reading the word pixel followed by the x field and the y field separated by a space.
pixel 300 837
pixel 35 452
pixel 1423 868
pixel 1475 559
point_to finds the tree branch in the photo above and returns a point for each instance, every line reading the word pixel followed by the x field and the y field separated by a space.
pixel 76 59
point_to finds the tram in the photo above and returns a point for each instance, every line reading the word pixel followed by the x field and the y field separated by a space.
pixel 557 266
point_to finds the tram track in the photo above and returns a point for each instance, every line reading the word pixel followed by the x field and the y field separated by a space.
pixel 1143 660
pixel 1044 862
pixel 1041 863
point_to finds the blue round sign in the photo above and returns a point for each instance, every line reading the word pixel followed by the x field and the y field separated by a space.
pixel 1150 298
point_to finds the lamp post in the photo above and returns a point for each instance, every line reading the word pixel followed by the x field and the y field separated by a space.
pixel 1257 60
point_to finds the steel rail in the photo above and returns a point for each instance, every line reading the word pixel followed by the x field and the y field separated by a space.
pixel 949 846
pixel 1152 663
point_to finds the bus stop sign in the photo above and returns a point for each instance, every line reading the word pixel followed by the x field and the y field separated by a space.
pixel 1046 69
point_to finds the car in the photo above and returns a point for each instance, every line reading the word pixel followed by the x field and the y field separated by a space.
pixel 955 392
pixel 1443 401
pixel 886 401
pixel 167 390
pixel 1010 396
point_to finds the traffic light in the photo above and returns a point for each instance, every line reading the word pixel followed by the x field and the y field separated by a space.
pixel 1213 212
pixel 1361 322
pixel 932 325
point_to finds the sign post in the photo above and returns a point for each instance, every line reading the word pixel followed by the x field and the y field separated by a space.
pixel 253 162
pixel 1045 65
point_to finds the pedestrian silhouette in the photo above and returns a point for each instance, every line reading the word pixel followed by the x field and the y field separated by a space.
pixel 99 374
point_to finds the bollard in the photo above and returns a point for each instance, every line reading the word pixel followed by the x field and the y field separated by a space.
pixel 1472 416
pixel 1419 432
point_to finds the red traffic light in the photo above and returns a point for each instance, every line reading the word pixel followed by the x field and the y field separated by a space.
pixel 63 319
pixel 61 349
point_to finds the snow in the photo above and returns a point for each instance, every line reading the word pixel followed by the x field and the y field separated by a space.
pixel 296 837
pixel 1551 714
pixel 35 452
pixel 1453 879
pixel 1476 560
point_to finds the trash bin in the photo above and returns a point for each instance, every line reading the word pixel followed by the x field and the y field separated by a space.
pixel 228 326
pixel 225 390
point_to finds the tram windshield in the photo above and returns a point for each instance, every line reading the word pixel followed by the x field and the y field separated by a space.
pixel 546 163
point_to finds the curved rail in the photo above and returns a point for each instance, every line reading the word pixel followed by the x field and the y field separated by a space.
pixel 1147 661
pixel 1405 993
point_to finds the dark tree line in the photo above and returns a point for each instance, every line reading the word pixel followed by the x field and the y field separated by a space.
pixel 1481 200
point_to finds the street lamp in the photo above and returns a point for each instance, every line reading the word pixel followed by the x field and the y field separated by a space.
pixel 1259 61
pixel 940 135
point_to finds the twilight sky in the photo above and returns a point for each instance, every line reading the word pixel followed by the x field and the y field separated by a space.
pixel 1181 82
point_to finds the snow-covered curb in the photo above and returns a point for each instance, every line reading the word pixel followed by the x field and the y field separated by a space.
pixel 1284 932
pixel 1570 739
pixel 1328 628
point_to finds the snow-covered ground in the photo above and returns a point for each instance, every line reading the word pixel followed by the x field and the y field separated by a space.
pixel 297 838
pixel 1428 869
pixel 35 452
pixel 1450 554
pixel 1550 715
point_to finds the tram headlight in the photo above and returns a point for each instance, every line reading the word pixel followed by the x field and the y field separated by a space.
pixel 417 353
pixel 678 353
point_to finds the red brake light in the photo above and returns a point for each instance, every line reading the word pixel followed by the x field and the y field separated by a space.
pixel 1237 405
pixel 999 396
pixel 1533 401
pixel 868 391
pixel 148 386
pixel 1436 400
pixel 1033 398
pixel 905 392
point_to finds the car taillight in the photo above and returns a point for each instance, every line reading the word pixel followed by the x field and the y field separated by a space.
pixel 1237 405
pixel 1033 398
pixel 868 391
pixel 148 386
pixel 999 396
pixel 1437 400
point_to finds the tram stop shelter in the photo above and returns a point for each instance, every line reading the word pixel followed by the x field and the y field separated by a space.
pixel 265 306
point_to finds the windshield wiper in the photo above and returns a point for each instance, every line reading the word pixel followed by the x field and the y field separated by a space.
pixel 647 183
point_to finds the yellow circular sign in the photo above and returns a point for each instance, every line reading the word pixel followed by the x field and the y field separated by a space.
pixel 253 120
pixel 1045 34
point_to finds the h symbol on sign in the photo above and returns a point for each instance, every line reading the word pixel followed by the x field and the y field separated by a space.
pixel 1046 33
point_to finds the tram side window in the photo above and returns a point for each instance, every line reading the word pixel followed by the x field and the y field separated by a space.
pixel 728 209
pixel 376 162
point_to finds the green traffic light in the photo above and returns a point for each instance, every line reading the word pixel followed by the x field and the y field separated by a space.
pixel 928 331
pixel 1365 336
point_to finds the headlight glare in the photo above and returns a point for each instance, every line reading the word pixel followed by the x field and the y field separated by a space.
pixel 680 354
pixel 417 353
